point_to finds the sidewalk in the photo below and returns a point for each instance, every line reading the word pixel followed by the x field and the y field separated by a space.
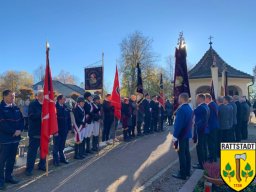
pixel 166 183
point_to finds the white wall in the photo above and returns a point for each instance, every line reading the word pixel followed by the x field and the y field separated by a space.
pixel 238 82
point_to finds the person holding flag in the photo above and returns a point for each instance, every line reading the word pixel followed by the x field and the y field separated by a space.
pixel 116 102
pixel 161 110
pixel 47 118
pixel 140 99
pixel 108 118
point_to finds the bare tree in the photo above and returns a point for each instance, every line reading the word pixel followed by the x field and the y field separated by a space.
pixel 39 73
pixel 66 78
pixel 136 48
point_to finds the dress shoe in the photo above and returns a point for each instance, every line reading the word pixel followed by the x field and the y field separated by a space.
pixel 56 164
pixel 64 161
pixel 77 157
pixel 28 173
pixel 179 176
pixel 41 168
pixel 12 180
pixel 2 186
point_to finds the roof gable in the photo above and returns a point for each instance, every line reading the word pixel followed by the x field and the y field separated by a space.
pixel 203 68
pixel 65 89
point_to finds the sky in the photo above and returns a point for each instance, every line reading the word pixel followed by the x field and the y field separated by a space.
pixel 79 30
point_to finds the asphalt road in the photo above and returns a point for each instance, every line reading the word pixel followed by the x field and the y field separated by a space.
pixel 123 169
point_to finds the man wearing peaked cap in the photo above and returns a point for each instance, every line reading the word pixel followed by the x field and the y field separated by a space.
pixel 88 108
pixel 79 128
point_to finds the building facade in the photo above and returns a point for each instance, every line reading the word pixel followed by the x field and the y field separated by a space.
pixel 200 76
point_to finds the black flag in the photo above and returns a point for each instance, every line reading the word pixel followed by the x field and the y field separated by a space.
pixel 212 92
pixel 140 93
pixel 181 83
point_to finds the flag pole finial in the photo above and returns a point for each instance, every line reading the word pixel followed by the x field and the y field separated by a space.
pixel 181 41
pixel 47 45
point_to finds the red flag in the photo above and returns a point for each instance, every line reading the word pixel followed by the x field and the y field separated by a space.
pixel 49 119
pixel 115 97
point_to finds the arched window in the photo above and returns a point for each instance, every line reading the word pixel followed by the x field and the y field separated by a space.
pixel 234 90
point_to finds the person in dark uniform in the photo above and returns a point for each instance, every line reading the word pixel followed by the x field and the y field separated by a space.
pixel 140 118
pixel 132 118
pixel 125 116
pixel 88 108
pixel 228 134
pixel 108 112
pixel 154 105
pixel 34 133
pixel 147 113
pixel 238 115
pixel 161 116
pixel 96 122
pixel 11 126
pixel 80 121
pixel 202 114
pixel 213 126
pixel 181 135
pixel 244 116
pixel 64 126
pixel 169 112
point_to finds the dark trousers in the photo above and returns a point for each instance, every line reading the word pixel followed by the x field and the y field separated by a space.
pixel 227 135
pixel 154 121
pixel 211 144
pixel 139 124
pixel 201 149
pixel 58 147
pixel 170 119
pixel 147 122
pixel 244 129
pixel 7 160
pixel 184 157
pixel 25 123
pixel 161 124
pixel 106 129
pixel 219 140
pixel 238 132
pixel 34 144
pixel 132 127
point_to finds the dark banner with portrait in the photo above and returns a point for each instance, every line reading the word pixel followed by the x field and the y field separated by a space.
pixel 93 78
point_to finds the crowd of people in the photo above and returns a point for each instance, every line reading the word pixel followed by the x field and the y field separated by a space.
pixel 84 119
pixel 209 124
pixel 225 120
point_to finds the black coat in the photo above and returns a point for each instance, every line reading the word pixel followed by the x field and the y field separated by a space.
pixel 154 107
pixel 96 112
pixel 245 112
pixel 88 109
pixel 35 119
pixel 79 116
pixel 108 111
pixel 63 117
pixel 11 119
pixel 146 107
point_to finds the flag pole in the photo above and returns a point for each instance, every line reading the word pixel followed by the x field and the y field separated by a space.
pixel 114 124
pixel 47 165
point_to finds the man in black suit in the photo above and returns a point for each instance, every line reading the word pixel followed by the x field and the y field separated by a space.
pixel 147 113
pixel 34 133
